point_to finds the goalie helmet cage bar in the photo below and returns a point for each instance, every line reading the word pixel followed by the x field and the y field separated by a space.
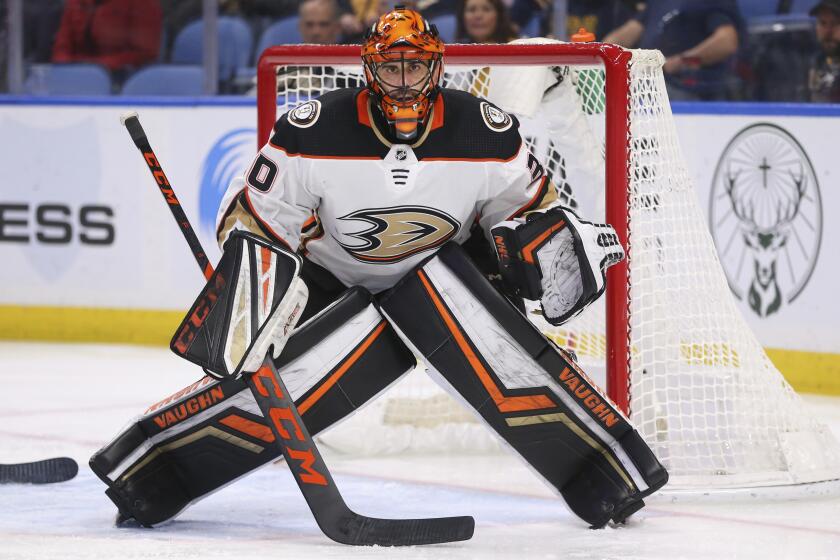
pixel 678 356
pixel 616 62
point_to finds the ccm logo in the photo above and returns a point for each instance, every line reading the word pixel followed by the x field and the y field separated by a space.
pixel 203 307
pixel 287 426
pixel 160 178
pixel 56 224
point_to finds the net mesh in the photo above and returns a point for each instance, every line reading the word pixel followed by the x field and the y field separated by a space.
pixel 703 393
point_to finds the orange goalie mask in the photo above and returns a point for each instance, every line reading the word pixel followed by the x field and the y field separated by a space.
pixel 402 55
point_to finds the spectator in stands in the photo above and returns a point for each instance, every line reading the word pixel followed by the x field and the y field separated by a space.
pixel 41 19
pixel 363 13
pixel 434 8
pixel 598 16
pixel 318 21
pixel 522 12
pixel 483 21
pixel 824 75
pixel 118 34
pixel 699 39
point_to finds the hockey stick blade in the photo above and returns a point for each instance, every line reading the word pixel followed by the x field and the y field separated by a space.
pixel 335 519
pixel 47 471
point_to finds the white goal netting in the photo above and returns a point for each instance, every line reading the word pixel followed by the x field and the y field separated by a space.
pixel 702 391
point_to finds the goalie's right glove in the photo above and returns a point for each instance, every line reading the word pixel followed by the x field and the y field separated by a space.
pixel 556 258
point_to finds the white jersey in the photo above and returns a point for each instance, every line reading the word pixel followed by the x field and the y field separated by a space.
pixel 331 185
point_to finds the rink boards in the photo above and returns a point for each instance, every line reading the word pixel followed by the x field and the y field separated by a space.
pixel 90 252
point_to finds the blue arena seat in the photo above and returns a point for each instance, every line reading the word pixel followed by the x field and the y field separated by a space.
pixel 780 48
pixel 532 28
pixel 281 32
pixel 235 44
pixel 446 24
pixel 166 79
pixel 757 8
pixel 68 79
pixel 802 6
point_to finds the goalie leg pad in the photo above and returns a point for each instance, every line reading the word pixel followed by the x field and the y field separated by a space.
pixel 212 433
pixel 525 388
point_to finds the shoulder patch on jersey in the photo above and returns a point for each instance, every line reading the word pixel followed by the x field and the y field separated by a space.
pixel 495 119
pixel 305 114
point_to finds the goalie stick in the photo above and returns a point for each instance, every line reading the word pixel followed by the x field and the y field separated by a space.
pixel 329 509
pixel 47 471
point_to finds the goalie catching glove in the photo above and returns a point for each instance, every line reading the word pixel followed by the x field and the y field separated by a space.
pixel 556 258
pixel 252 301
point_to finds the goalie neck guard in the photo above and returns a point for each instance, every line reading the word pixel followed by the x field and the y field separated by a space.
pixel 403 59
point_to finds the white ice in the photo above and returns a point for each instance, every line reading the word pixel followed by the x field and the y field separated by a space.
pixel 71 399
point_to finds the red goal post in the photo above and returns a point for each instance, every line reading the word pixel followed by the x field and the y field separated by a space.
pixel 615 60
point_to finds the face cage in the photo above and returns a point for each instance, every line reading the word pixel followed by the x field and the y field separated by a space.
pixel 402 94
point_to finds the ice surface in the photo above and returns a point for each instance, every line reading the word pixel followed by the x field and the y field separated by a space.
pixel 71 399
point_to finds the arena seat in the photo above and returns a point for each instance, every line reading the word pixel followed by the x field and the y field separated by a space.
pixel 166 79
pixel 757 8
pixel 281 32
pixel 235 44
pixel 780 48
pixel 68 79
pixel 802 6
pixel 446 24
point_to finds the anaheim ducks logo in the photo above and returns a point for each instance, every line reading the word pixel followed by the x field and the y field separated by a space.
pixel 397 233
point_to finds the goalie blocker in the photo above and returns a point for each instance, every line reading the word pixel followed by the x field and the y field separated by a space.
pixel 251 302
pixel 479 347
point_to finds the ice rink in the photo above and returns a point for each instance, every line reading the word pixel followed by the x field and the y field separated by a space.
pixel 71 399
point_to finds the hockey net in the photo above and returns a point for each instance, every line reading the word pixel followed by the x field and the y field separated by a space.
pixel 667 341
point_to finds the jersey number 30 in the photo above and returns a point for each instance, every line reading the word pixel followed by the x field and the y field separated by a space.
pixel 262 174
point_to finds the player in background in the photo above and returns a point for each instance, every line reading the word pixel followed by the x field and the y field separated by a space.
pixel 392 194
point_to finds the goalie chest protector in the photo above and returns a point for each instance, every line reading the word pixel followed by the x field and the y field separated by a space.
pixel 382 207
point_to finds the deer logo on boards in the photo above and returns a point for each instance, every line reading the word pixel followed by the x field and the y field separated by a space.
pixel 766 217
pixel 305 115
pixel 389 235
pixel 495 119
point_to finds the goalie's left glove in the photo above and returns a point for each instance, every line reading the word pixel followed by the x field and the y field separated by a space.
pixel 556 258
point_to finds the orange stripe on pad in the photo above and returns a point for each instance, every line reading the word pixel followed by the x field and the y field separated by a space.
pixel 527 251
pixel 333 379
pixel 253 429
pixel 265 259
pixel 503 403
pixel 309 221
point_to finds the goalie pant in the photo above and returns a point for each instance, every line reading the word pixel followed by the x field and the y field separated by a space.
pixel 477 346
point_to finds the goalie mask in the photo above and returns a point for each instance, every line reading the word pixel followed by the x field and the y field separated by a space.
pixel 402 56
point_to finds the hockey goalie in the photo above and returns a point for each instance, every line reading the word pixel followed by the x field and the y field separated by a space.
pixel 400 199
